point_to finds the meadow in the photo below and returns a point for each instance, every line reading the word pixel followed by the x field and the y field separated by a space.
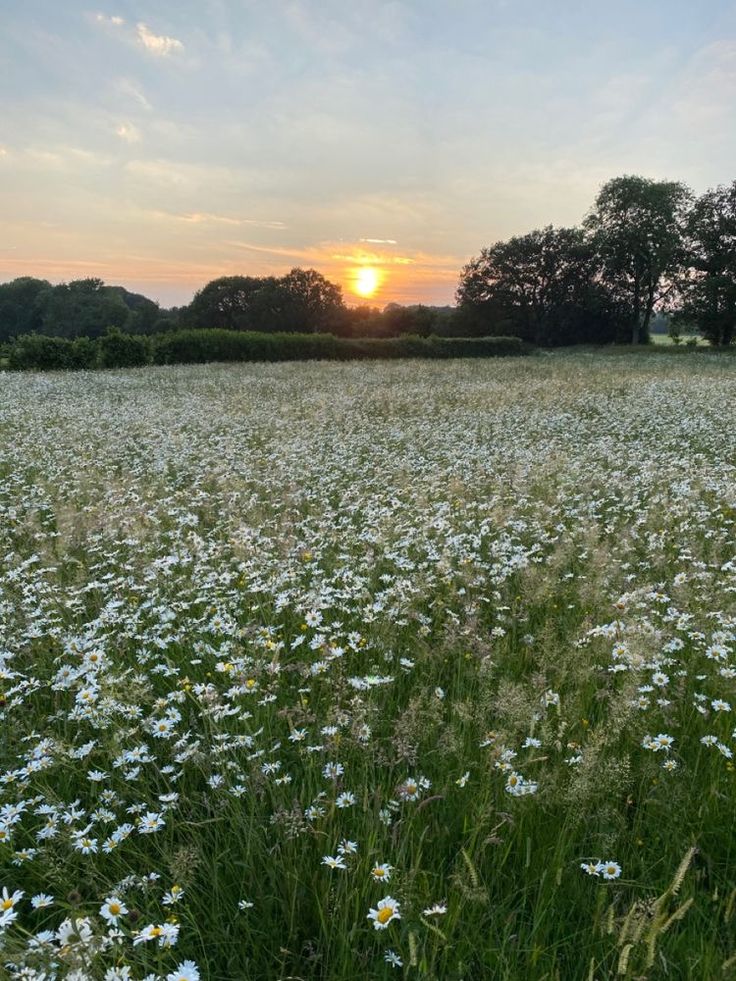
pixel 369 670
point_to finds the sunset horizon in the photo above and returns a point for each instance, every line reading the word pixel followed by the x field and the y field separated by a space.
pixel 159 148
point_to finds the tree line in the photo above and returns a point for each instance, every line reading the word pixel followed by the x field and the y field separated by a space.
pixel 646 249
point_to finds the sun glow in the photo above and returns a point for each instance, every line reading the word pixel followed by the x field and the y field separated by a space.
pixel 366 281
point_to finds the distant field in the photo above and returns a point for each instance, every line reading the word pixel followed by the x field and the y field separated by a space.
pixel 348 671
pixel 666 339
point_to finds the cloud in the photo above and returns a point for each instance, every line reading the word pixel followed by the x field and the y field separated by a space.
pixel 205 217
pixel 113 21
pixel 158 44
pixel 128 132
pixel 379 241
pixel 133 90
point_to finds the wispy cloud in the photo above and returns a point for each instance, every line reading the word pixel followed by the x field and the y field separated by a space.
pixel 205 217
pixel 379 241
pixel 112 21
pixel 158 44
pixel 132 90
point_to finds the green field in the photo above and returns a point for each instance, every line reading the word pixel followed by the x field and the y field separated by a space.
pixel 369 670
pixel 667 341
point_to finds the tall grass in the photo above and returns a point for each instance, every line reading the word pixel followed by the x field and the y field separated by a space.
pixel 500 595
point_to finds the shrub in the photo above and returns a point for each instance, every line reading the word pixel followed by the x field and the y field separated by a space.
pixel 118 350
pixel 44 353
pixel 83 353
pixel 187 346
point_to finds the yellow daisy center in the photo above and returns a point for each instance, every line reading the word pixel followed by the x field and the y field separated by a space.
pixel 385 914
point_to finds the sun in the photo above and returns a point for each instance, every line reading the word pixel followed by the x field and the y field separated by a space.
pixel 367 279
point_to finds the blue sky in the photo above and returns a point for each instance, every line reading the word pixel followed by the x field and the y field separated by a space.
pixel 159 145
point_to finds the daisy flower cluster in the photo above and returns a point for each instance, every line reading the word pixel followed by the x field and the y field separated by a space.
pixel 340 670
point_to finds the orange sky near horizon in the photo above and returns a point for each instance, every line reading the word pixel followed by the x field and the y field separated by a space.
pixel 400 277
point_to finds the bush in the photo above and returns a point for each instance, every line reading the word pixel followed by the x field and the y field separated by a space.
pixel 198 346
pixel 40 352
pixel 118 350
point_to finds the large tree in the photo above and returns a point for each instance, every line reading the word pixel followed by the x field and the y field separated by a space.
pixel 708 287
pixel 82 308
pixel 637 228
pixel 541 286
pixel 230 302
pixel 302 300
pixel 20 311
pixel 311 302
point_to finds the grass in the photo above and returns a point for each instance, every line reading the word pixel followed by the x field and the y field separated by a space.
pixel 667 341
pixel 473 621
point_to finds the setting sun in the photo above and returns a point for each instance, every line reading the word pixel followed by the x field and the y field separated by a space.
pixel 366 281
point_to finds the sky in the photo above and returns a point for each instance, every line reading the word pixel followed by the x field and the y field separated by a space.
pixel 158 145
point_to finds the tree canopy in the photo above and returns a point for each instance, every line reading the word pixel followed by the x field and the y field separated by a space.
pixel 637 229
pixel 302 300
pixel 708 282
pixel 541 287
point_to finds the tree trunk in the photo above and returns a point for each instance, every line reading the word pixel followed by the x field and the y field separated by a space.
pixel 637 310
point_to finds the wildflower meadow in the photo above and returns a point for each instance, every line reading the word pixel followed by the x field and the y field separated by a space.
pixel 369 670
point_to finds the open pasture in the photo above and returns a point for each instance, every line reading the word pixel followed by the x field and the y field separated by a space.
pixel 344 671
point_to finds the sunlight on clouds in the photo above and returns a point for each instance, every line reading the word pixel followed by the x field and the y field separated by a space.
pixel 420 277
pixel 128 132
pixel 204 217
pixel 158 44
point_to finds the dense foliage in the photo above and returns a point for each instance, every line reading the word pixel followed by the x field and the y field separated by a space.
pixel 117 350
pixel 349 671
pixel 646 246
pixel 82 308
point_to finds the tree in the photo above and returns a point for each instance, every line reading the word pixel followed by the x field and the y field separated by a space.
pixel 542 287
pixel 19 306
pixel 708 287
pixel 82 308
pixel 637 229
pixel 312 303
pixel 230 303
pixel 303 300
pixel 144 313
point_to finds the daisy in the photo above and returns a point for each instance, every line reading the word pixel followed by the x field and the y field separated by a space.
pixel 150 823
pixel 392 958
pixel 438 909
pixel 8 901
pixel 609 870
pixel 112 909
pixel 387 909
pixel 41 901
pixel 186 971
pixel 382 873
pixel 338 862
